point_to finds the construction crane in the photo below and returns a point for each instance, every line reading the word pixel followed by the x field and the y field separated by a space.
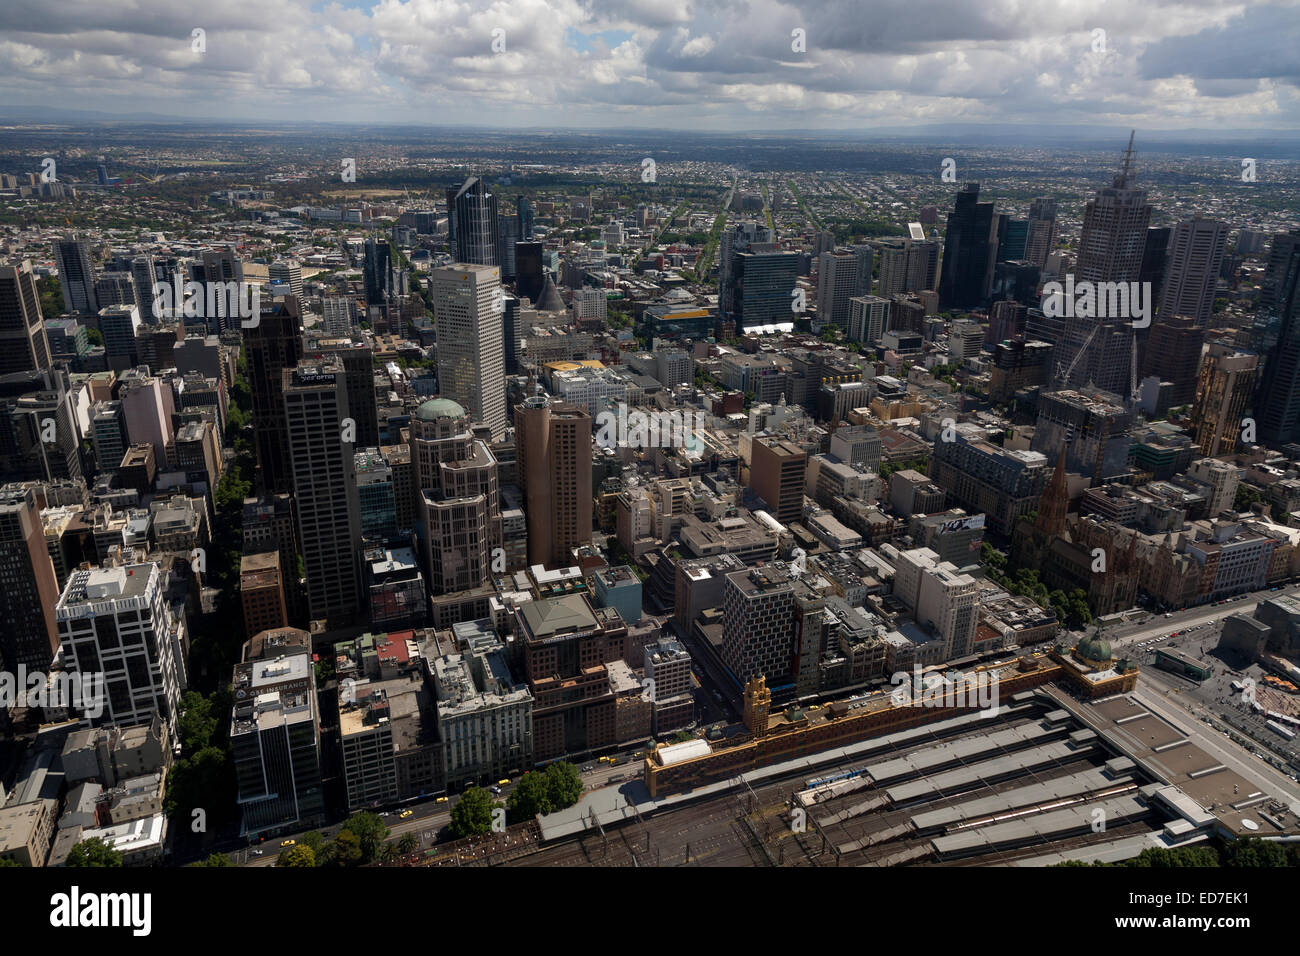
pixel 1065 378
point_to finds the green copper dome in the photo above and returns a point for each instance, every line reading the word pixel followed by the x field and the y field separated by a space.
pixel 1094 649
pixel 436 408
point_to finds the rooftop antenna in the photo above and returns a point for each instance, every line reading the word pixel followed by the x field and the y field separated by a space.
pixel 1126 173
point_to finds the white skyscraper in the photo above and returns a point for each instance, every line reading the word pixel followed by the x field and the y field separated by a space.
pixel 288 273
pixel 337 312
pixel 468 307
pixel 837 283
pixel 117 622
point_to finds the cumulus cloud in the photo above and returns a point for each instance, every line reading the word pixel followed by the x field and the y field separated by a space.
pixel 715 65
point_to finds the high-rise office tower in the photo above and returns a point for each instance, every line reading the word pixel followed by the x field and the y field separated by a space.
pixel 1016 280
pixel 866 256
pixel 554 456
pixel 118 325
pixel 1112 248
pixel 590 305
pixel 383 276
pixel 376 499
pixel 524 212
pixel 144 273
pixel 108 435
pixel 23 343
pixel 837 282
pixel 530 279
pixel 269 526
pixel 468 307
pixel 29 589
pixel 507 236
pixel 76 275
pixel 275 743
pixel 337 312
pixel 472 221
pixel 735 240
pixel 1223 392
pixel 1040 237
pixel 1195 257
pixel 1114 233
pixel 763 286
pixel 922 265
pixel 758 632
pixel 324 488
pixel 969 252
pixel 908 265
pixel 115 288
pixel 1173 354
pixel 40 426
pixel 271 347
pixel 222 265
pixel 510 333
pixel 1277 338
pixel 777 476
pixel 357 357
pixel 288 273
pixel 1006 321
pixel 148 407
pixel 1013 238
pixel 1155 260
pixel 118 622
pixel 893 269
pixel 459 503
pixel 868 316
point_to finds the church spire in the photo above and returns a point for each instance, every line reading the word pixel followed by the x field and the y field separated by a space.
pixel 1055 501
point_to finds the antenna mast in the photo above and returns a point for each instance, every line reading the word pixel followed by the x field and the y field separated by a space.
pixel 1127 171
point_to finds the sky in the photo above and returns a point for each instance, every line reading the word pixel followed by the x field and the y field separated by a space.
pixel 672 64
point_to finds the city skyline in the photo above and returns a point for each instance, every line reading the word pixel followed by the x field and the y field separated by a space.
pixel 648 434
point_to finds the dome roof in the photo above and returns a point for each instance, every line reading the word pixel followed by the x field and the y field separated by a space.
pixel 436 408
pixel 1094 648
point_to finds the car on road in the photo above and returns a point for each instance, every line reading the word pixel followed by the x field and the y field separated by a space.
pixel 441 800
pixel 588 769
pixel 406 813
pixel 504 782
pixel 284 843
pixel 495 789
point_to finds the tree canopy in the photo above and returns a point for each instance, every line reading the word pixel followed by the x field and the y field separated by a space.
pixel 472 814
pixel 93 853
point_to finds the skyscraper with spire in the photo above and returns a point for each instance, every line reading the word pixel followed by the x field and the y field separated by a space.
pixel 1111 247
